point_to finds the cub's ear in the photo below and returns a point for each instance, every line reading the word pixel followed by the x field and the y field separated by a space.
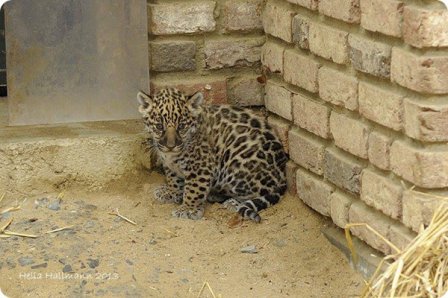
pixel 144 100
pixel 196 100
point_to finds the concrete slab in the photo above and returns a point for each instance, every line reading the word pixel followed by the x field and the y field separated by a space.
pixel 52 158
pixel 368 258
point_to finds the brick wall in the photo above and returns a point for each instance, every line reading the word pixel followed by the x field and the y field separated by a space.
pixel 213 46
pixel 358 90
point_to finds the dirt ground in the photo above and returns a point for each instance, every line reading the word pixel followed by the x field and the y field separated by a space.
pixel 161 256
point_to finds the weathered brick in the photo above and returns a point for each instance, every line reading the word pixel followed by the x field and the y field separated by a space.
pixel 380 105
pixel 370 56
pixel 307 76
pixel 425 27
pixel 425 168
pixel 346 10
pixel 291 170
pixel 349 134
pixel 361 213
pixel 300 31
pixel 214 90
pixel 401 236
pixel 382 193
pixel 183 17
pixel 272 57
pixel 311 115
pixel 242 15
pixel 169 56
pixel 426 121
pixel 340 204
pixel 232 52
pixel 306 151
pixel 338 88
pixel 379 150
pixel 281 128
pixel 419 208
pixel 328 42
pixel 427 74
pixel 384 16
pixel 310 4
pixel 245 92
pixel 277 21
pixel 278 100
pixel 314 192
pixel 343 170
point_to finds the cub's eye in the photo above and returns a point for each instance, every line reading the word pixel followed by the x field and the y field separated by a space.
pixel 181 126
pixel 159 126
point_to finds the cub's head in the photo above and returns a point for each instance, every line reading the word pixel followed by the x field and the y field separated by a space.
pixel 170 117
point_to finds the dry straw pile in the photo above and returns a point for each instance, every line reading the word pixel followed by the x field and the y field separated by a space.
pixel 420 270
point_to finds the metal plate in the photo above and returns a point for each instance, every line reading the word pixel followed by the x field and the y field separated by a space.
pixel 75 60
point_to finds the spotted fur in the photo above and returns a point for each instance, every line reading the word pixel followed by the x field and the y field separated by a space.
pixel 216 153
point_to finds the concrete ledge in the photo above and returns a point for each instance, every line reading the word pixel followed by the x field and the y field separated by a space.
pixel 368 258
pixel 50 158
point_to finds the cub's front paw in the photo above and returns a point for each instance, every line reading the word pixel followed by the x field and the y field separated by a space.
pixel 190 213
pixel 165 194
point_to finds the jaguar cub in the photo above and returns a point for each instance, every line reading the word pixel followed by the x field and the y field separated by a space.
pixel 213 153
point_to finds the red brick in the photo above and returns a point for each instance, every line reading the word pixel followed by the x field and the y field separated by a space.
pixel 310 4
pixel 343 170
pixel 426 121
pixel 379 150
pixel 291 169
pixel 278 100
pixel 384 16
pixel 230 52
pixel 426 74
pixel 166 56
pixel 425 27
pixel 419 208
pixel 272 57
pixel 314 192
pixel 306 151
pixel 401 236
pixel 214 90
pixel 242 15
pixel 382 193
pixel 381 105
pixel 300 31
pixel 245 92
pixel 306 78
pixel 328 42
pixel 281 128
pixel 178 18
pixel 311 115
pixel 370 56
pixel 361 213
pixel 277 21
pixel 349 134
pixel 338 88
pixel 340 204
pixel 345 10
pixel 423 167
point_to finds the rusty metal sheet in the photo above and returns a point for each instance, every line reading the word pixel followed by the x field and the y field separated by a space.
pixel 75 60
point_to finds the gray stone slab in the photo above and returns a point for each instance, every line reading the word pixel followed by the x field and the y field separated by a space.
pixel 75 60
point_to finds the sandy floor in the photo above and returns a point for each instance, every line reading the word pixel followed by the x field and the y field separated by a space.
pixel 163 256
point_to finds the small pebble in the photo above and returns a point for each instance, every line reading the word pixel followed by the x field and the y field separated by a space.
pixel 42 202
pixel 55 205
pixel 251 249
pixel 43 265
pixel 24 261
pixel 67 268
pixel 280 243
pixel 93 263
pixel 129 262
pixel 152 241
pixel 11 263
